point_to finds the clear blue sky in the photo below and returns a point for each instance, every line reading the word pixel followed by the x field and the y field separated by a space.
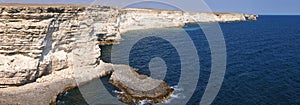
pixel 273 7
pixel 257 6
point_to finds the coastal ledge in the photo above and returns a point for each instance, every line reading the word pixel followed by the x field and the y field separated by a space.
pixel 47 49
pixel 134 87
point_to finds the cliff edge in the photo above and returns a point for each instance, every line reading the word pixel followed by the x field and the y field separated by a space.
pixel 46 49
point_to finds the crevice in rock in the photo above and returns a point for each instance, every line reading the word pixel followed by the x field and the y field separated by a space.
pixel 48 41
pixel 106 53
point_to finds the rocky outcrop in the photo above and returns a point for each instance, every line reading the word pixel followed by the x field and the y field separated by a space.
pixel 251 17
pixel 135 87
pixel 45 49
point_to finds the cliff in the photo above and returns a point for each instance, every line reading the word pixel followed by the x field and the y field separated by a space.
pixel 45 49
pixel 134 19
pixel 37 40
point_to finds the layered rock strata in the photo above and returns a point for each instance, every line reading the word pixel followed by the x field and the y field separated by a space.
pixel 134 19
pixel 45 49
pixel 38 40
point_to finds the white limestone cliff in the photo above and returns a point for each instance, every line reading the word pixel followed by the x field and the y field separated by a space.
pixel 45 49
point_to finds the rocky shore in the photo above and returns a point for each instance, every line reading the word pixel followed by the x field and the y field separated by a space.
pixel 46 49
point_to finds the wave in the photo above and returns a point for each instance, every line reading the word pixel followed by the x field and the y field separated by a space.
pixel 176 95
pixel 177 88
pixel 144 102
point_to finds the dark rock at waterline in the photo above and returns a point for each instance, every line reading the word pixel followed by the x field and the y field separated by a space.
pixel 136 88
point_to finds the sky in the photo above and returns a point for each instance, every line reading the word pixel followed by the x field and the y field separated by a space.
pixel 262 7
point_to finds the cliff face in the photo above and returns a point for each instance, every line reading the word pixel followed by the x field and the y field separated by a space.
pixel 28 35
pixel 40 45
pixel 133 19
pixel 43 47
pixel 37 40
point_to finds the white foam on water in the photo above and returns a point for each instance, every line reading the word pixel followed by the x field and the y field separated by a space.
pixel 66 93
pixel 144 102
pixel 177 88
pixel 176 95
pixel 118 92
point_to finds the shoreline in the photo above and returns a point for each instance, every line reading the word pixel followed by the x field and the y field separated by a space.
pixel 45 46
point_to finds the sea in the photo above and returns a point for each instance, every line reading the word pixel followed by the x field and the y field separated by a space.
pixel 262 64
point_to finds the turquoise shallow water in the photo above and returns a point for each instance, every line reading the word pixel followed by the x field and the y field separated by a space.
pixel 263 62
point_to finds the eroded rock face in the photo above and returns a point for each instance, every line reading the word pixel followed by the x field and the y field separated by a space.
pixel 17 69
pixel 37 40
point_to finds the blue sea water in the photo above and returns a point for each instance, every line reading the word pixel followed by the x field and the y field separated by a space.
pixel 263 62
